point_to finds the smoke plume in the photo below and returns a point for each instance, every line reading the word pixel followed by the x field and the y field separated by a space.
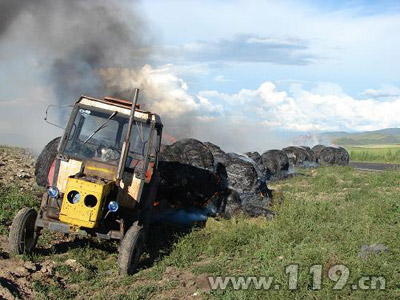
pixel 185 114
pixel 60 46
pixel 77 37
pixel 53 51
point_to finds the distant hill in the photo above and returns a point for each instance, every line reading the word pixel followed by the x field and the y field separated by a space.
pixel 377 137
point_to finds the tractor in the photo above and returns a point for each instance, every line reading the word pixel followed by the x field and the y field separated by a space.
pixel 101 179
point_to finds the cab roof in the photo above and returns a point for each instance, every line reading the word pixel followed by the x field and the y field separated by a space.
pixel 124 104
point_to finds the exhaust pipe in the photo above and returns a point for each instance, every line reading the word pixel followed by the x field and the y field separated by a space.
pixel 126 145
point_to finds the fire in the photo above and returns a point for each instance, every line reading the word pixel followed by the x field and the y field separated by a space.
pixel 168 139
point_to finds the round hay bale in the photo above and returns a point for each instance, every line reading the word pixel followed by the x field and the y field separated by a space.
pixel 317 151
pixel 190 152
pixel 242 175
pixel 256 157
pixel 334 156
pixel 297 155
pixel 276 162
pixel 192 171
pixel 184 186
pixel 218 154
pixel 310 153
pixel 343 157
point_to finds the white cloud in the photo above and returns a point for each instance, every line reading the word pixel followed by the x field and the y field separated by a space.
pixel 222 79
pixel 387 91
pixel 323 107
pixel 312 111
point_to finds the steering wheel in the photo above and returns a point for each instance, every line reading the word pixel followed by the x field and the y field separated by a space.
pixel 110 154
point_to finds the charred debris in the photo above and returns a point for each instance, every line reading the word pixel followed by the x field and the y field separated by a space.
pixel 199 179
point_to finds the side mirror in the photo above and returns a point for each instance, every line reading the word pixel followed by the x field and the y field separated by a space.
pixel 47 113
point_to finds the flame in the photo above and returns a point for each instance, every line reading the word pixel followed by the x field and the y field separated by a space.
pixel 168 139
pixel 210 199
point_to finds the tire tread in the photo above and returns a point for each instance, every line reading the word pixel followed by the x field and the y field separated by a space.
pixel 17 228
pixel 127 247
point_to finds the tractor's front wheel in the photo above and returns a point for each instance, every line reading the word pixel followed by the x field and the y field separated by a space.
pixel 130 250
pixel 23 233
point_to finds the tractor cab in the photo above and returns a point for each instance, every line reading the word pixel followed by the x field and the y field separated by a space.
pixel 103 179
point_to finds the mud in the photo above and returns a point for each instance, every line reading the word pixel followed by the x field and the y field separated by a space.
pixel 17 168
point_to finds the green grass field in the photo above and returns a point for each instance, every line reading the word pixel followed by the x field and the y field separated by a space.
pixel 375 153
pixel 11 200
pixel 325 217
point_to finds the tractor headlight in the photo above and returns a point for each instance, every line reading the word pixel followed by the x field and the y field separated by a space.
pixel 52 192
pixel 113 206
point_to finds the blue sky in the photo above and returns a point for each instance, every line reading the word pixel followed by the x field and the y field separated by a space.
pixel 351 43
pixel 229 72
pixel 289 66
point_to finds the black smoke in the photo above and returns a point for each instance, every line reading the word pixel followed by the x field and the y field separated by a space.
pixel 73 39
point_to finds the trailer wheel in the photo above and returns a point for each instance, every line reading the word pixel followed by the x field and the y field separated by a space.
pixel 23 234
pixel 130 250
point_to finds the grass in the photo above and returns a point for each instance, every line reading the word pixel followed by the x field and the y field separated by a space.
pixel 367 138
pixel 375 153
pixel 326 216
pixel 12 199
pixel 324 220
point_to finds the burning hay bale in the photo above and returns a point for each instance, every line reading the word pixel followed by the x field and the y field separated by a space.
pixel 317 151
pixel 189 151
pixel 276 163
pixel 187 177
pixel 310 153
pixel 256 157
pixel 244 177
pixel 243 174
pixel 244 180
pixel 185 186
pixel 298 156
pixel 218 154
pixel 334 156
pixel 241 170
pixel 193 173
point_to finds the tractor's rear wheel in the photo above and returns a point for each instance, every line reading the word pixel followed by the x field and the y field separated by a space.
pixel 45 160
pixel 130 250
pixel 23 233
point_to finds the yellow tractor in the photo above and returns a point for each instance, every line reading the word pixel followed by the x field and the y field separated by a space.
pixel 102 180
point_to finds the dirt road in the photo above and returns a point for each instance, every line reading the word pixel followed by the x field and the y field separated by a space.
pixel 377 167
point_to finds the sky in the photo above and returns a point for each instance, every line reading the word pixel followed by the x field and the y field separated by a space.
pixel 241 44
pixel 295 66
pixel 230 69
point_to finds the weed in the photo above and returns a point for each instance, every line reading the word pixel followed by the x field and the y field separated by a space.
pixel 12 199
